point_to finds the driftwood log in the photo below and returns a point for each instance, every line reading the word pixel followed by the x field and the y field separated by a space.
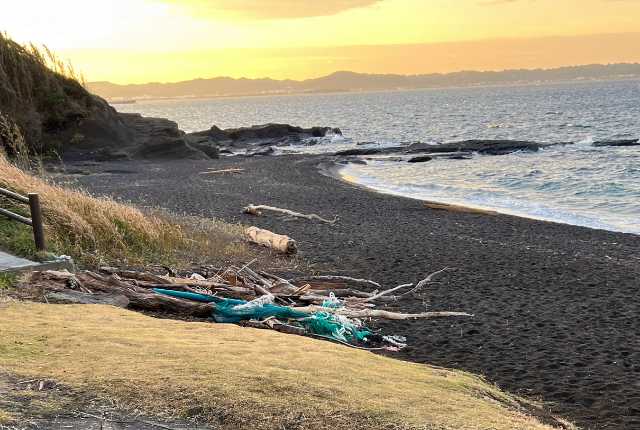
pixel 379 313
pixel 257 211
pixel 345 279
pixel 139 298
pixel 277 242
pixel 230 170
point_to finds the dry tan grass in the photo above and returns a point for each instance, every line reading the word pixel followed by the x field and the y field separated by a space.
pixel 5 418
pixel 240 377
pixel 100 230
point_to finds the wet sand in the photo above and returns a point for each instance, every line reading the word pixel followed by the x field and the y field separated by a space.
pixel 556 306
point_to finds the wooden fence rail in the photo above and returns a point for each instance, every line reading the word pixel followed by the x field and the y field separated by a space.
pixel 33 200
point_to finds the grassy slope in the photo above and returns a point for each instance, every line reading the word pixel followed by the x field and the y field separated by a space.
pixel 241 376
pixel 101 231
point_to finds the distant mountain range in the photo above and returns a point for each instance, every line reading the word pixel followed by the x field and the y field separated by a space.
pixel 351 81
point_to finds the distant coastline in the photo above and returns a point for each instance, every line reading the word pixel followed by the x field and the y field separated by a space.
pixel 351 82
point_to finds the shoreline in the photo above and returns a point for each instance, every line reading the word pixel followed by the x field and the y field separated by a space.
pixel 336 173
pixel 555 305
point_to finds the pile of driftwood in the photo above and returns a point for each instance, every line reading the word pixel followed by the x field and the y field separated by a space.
pixel 347 303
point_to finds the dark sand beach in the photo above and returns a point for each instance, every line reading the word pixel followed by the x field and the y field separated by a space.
pixel 556 306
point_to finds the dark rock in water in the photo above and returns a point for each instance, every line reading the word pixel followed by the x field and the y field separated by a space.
pixel 620 142
pixel 269 150
pixel 352 160
pixel 422 147
pixel 370 151
pixel 217 134
pixel 453 155
pixel 258 135
pixel 358 151
pixel 276 131
pixel 420 159
pixel 169 149
pixel 491 147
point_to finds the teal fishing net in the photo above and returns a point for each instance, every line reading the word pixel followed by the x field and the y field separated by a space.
pixel 319 323
pixel 336 327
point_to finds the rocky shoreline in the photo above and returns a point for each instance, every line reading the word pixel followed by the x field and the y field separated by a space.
pixel 131 136
pixel 122 136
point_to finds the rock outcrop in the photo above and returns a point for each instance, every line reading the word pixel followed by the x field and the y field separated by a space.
pixel 216 140
pixel 453 150
pixel 159 138
pixel 620 142
pixel 420 159
pixel 277 132
pixel 490 147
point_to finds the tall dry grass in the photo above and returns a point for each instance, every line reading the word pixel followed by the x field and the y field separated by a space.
pixel 94 229
pixel 102 231
pixel 38 90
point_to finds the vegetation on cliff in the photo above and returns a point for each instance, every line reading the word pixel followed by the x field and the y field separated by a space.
pixel 40 93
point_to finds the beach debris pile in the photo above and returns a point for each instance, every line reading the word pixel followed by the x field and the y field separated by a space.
pixel 338 308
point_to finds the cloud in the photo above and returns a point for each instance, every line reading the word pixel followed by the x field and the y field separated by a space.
pixel 271 9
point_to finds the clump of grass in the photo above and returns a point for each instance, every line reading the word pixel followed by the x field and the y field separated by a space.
pixel 16 237
pixel 97 231
pixel 7 280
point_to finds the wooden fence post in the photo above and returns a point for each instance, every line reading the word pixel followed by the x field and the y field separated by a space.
pixel 36 222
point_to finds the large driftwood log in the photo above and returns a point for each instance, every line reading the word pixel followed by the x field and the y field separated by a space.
pixel 230 170
pixel 277 242
pixel 378 313
pixel 161 303
pixel 257 210
pixel 333 278
pixel 138 276
pixel 139 298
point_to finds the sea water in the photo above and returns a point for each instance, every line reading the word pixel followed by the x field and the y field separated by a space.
pixel 578 184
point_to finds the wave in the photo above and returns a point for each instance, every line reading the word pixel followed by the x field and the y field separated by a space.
pixel 512 198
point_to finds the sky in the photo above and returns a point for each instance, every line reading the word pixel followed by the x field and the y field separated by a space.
pixel 137 41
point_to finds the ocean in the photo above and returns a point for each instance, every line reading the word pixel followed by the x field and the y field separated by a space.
pixel 597 187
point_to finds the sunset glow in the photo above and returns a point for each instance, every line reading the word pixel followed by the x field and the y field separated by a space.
pixel 144 40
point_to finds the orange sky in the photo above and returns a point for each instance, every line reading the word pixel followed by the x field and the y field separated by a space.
pixel 168 40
